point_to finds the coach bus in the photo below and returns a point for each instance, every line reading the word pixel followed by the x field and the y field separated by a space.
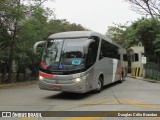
pixel 80 61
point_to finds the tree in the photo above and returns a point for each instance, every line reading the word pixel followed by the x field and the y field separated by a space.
pixel 13 15
pixel 10 14
pixel 117 33
pixel 156 43
pixel 146 31
pixel 34 29
pixel 143 30
pixel 22 23
pixel 146 7
pixel 57 25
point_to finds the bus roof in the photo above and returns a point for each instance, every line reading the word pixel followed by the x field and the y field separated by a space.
pixel 80 34
pixel 72 34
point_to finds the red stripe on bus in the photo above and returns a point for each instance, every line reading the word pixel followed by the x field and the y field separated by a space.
pixel 45 75
pixel 120 72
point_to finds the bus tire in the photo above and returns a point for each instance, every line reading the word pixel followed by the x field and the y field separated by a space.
pixel 99 85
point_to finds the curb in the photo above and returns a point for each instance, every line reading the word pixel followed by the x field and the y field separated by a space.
pixel 3 86
pixel 144 79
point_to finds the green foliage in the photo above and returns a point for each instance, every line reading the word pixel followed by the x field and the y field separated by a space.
pixel 63 25
pixel 34 29
pixel 118 33
pixel 22 23
pixel 146 31
pixel 143 30
pixel 157 44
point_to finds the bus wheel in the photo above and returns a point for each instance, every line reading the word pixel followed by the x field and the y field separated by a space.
pixel 99 85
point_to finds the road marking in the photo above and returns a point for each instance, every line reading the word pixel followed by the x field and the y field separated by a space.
pixel 89 103
pixel 82 118
pixel 123 101
pixel 139 104
pixel 27 118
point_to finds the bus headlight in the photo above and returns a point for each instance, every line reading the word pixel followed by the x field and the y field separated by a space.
pixel 79 79
pixel 41 78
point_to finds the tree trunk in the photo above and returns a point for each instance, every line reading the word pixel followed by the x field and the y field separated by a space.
pixel 17 76
pixel 4 71
pixel 12 47
pixel 11 63
pixel 12 53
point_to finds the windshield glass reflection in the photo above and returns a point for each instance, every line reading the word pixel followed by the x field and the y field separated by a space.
pixel 64 55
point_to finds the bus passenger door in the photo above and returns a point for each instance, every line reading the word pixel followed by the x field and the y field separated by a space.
pixel 91 59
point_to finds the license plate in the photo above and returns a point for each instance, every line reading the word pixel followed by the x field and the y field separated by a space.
pixel 56 87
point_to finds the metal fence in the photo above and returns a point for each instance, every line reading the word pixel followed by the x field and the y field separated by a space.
pixel 152 70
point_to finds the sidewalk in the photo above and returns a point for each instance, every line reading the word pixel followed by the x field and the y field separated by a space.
pixel 144 79
pixel 18 84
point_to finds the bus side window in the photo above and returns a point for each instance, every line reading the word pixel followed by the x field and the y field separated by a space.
pixel 109 50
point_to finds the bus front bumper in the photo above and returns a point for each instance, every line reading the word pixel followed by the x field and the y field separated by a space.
pixel 76 87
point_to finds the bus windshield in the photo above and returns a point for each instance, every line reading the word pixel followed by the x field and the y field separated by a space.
pixel 64 55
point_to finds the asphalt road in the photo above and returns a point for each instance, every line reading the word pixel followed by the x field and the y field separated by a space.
pixel 131 95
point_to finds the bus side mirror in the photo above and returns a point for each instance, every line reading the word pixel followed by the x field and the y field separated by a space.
pixel 36 45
